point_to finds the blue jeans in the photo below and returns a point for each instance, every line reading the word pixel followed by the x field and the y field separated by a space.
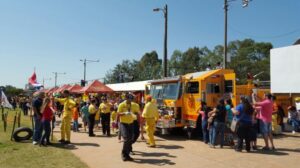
pixel 37 131
pixel 47 131
pixel 205 133
pixel 219 128
pixel 295 124
pixel 211 128
pixel 265 127
pixel 75 125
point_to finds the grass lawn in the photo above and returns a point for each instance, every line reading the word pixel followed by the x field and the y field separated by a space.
pixel 24 154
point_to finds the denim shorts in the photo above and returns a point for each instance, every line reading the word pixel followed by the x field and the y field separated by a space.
pixel 265 128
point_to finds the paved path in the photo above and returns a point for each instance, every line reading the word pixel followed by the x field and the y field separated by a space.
pixel 175 151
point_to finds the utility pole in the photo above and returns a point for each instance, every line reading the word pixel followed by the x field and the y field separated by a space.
pixel 165 64
pixel 85 61
pixel 55 76
pixel 226 5
pixel 225 35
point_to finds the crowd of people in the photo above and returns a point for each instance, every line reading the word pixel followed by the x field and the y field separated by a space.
pixel 121 112
pixel 241 124
pixel 244 122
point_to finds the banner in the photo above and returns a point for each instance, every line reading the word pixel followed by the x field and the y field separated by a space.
pixel 4 101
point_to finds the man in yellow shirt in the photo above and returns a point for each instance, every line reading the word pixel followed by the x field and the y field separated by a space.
pixel 92 113
pixel 126 125
pixel 150 114
pixel 65 128
pixel 104 108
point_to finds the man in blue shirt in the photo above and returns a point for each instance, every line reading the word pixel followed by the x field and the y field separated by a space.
pixel 37 117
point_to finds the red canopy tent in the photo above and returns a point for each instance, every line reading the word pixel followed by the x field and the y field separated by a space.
pixel 62 88
pixel 51 91
pixel 75 88
pixel 96 87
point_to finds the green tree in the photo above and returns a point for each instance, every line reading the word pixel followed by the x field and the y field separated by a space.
pixel 175 63
pixel 149 67
pixel 124 72
pixel 248 56
pixel 12 91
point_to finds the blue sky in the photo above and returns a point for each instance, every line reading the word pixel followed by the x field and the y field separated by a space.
pixel 53 35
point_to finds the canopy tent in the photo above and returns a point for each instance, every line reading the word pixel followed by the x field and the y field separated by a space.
pixel 75 88
pixel 52 90
pixel 95 87
pixel 62 88
pixel 129 86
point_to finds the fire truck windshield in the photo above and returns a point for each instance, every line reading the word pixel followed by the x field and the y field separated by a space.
pixel 165 91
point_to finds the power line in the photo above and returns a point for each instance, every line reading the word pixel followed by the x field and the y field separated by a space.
pixel 269 37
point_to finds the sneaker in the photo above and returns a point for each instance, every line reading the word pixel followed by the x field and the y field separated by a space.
pixel 49 143
pixel 67 142
pixel 42 144
pixel 61 141
pixel 238 150
pixel 35 143
pixel 124 158
pixel 266 148
pixel 129 158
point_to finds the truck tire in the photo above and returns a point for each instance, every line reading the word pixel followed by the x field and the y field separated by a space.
pixel 18 138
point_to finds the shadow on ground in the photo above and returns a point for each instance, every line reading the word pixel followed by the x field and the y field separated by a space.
pixel 159 162
pixel 86 144
pixel 169 146
pixel 63 146
pixel 270 152
pixel 154 154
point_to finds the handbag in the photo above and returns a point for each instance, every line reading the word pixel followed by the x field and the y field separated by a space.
pixel 211 118
pixel 234 124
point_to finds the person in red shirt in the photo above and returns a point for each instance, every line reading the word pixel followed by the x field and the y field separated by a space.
pixel 75 118
pixel 47 114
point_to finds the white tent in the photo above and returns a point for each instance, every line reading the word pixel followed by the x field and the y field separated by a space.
pixel 129 86
pixel 4 101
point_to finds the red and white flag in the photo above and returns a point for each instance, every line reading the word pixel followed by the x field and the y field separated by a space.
pixel 33 81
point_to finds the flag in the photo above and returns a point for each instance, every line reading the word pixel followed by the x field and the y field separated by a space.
pixel 4 101
pixel 33 81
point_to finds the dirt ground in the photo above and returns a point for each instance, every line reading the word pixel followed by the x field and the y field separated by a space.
pixel 178 151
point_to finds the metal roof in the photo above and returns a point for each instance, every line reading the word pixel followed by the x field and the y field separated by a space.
pixel 129 86
pixel 171 79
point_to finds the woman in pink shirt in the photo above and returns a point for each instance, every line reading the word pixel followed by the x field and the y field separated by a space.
pixel 266 118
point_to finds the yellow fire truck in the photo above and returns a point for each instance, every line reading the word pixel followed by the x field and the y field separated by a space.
pixel 179 98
